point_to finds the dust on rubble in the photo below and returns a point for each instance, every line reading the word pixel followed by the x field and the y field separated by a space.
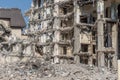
pixel 40 70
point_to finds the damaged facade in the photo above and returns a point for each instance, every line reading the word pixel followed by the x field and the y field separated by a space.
pixel 83 31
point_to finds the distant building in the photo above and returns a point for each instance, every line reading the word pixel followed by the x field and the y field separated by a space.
pixel 12 19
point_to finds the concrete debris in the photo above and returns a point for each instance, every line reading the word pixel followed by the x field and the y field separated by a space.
pixel 38 70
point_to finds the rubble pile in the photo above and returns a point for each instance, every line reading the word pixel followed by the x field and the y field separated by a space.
pixel 40 70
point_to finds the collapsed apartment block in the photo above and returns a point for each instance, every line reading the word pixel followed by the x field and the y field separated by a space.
pixel 83 31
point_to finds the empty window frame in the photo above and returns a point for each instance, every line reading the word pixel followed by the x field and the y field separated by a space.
pixel 84 47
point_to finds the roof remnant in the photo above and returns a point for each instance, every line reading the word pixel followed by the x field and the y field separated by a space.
pixel 15 16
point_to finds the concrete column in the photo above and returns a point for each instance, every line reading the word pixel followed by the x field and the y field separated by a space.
pixel 115 44
pixel 44 24
pixel 32 4
pixel 77 45
pixel 100 44
pixel 90 51
pixel 100 9
pixel 101 59
pixel 56 25
pixel 118 69
pixel 37 3
pixel 100 31
pixel 77 59
pixel 56 46
pixel 56 53
pixel 57 36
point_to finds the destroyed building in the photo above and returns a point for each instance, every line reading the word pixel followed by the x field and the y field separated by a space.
pixel 83 31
